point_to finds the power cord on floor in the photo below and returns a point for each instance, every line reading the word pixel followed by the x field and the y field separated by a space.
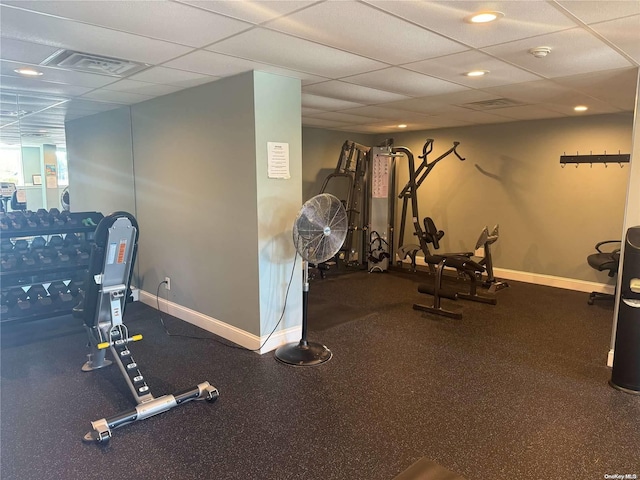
pixel 284 308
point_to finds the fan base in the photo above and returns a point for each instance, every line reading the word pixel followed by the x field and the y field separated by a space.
pixel 303 354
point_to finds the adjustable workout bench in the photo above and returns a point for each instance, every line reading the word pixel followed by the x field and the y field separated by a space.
pixel 463 265
pixel 110 270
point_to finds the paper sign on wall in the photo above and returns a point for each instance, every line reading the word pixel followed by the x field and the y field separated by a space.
pixel 278 160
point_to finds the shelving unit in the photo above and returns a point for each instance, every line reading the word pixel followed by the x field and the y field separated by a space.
pixel 45 256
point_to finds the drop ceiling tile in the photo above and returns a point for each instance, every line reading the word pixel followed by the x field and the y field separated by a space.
pixel 454 67
pixel 294 53
pixel 171 21
pixel 216 64
pixel 381 112
pixel 359 28
pixel 19 84
pixel 172 76
pixel 350 92
pixel 472 116
pixel 344 117
pixel 596 107
pixel 310 112
pixel 326 103
pixel 572 52
pixel 143 88
pixel 568 111
pixel 521 19
pixel 590 11
pixel 440 103
pixel 404 82
pixel 26 52
pixel 616 87
pixel 319 122
pixel 61 33
pixel 623 33
pixel 58 75
pixel 532 92
pixel 375 128
pixel 116 97
pixel 251 11
pixel 526 112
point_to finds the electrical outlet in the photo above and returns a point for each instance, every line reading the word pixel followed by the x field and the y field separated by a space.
pixel 167 283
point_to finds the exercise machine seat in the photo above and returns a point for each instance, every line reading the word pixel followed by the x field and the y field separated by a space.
pixel 604 261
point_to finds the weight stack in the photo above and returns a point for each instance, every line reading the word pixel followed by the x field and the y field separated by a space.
pixel 625 375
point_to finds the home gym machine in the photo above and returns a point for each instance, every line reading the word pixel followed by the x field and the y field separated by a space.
pixel 348 182
pixel 410 194
pixel 381 207
pixel 110 269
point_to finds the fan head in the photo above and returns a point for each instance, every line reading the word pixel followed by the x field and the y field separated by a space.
pixel 320 228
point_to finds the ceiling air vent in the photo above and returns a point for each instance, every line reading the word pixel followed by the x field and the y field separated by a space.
pixel 492 104
pixel 90 63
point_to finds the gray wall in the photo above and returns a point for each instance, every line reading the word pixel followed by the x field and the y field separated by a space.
pixel 209 217
pixel 550 217
pixel 100 162
pixel 278 119
pixel 321 150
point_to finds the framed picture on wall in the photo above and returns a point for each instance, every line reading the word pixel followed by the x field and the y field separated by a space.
pixel 37 179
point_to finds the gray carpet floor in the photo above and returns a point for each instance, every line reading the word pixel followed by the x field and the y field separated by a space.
pixel 513 391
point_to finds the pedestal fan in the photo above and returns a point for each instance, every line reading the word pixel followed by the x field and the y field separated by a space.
pixel 318 233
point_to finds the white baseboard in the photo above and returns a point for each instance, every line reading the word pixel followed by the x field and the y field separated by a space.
pixel 542 279
pixel 552 281
pixel 610 358
pixel 222 329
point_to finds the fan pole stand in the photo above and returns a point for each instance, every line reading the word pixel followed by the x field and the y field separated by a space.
pixel 303 353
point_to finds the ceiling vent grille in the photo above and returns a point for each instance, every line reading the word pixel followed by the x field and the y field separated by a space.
pixel 492 104
pixel 90 63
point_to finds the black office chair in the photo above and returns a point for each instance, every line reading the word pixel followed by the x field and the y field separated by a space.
pixel 604 262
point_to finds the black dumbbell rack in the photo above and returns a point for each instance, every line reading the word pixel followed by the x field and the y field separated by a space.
pixel 45 256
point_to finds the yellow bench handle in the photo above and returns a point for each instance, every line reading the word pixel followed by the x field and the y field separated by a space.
pixel 104 345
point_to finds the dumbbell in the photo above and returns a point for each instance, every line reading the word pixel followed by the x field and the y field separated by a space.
pixel 21 249
pixel 43 217
pixel 6 246
pixel 38 295
pixel 55 244
pixel 54 214
pixel 59 292
pixel 16 300
pixel 68 218
pixel 38 246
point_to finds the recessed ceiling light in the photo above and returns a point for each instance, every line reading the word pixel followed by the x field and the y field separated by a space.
pixel 581 108
pixel 402 125
pixel 484 17
pixel 30 72
pixel 476 73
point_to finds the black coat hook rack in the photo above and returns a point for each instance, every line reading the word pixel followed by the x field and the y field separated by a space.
pixel 605 158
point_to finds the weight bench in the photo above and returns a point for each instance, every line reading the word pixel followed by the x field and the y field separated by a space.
pixel 463 265
pixel 110 269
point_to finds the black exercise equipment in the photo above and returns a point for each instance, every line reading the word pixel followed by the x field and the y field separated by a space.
pixel 409 194
pixel 437 291
pixel 348 184
pixel 465 266
pixel 110 269
pixel 604 261
pixel 625 374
